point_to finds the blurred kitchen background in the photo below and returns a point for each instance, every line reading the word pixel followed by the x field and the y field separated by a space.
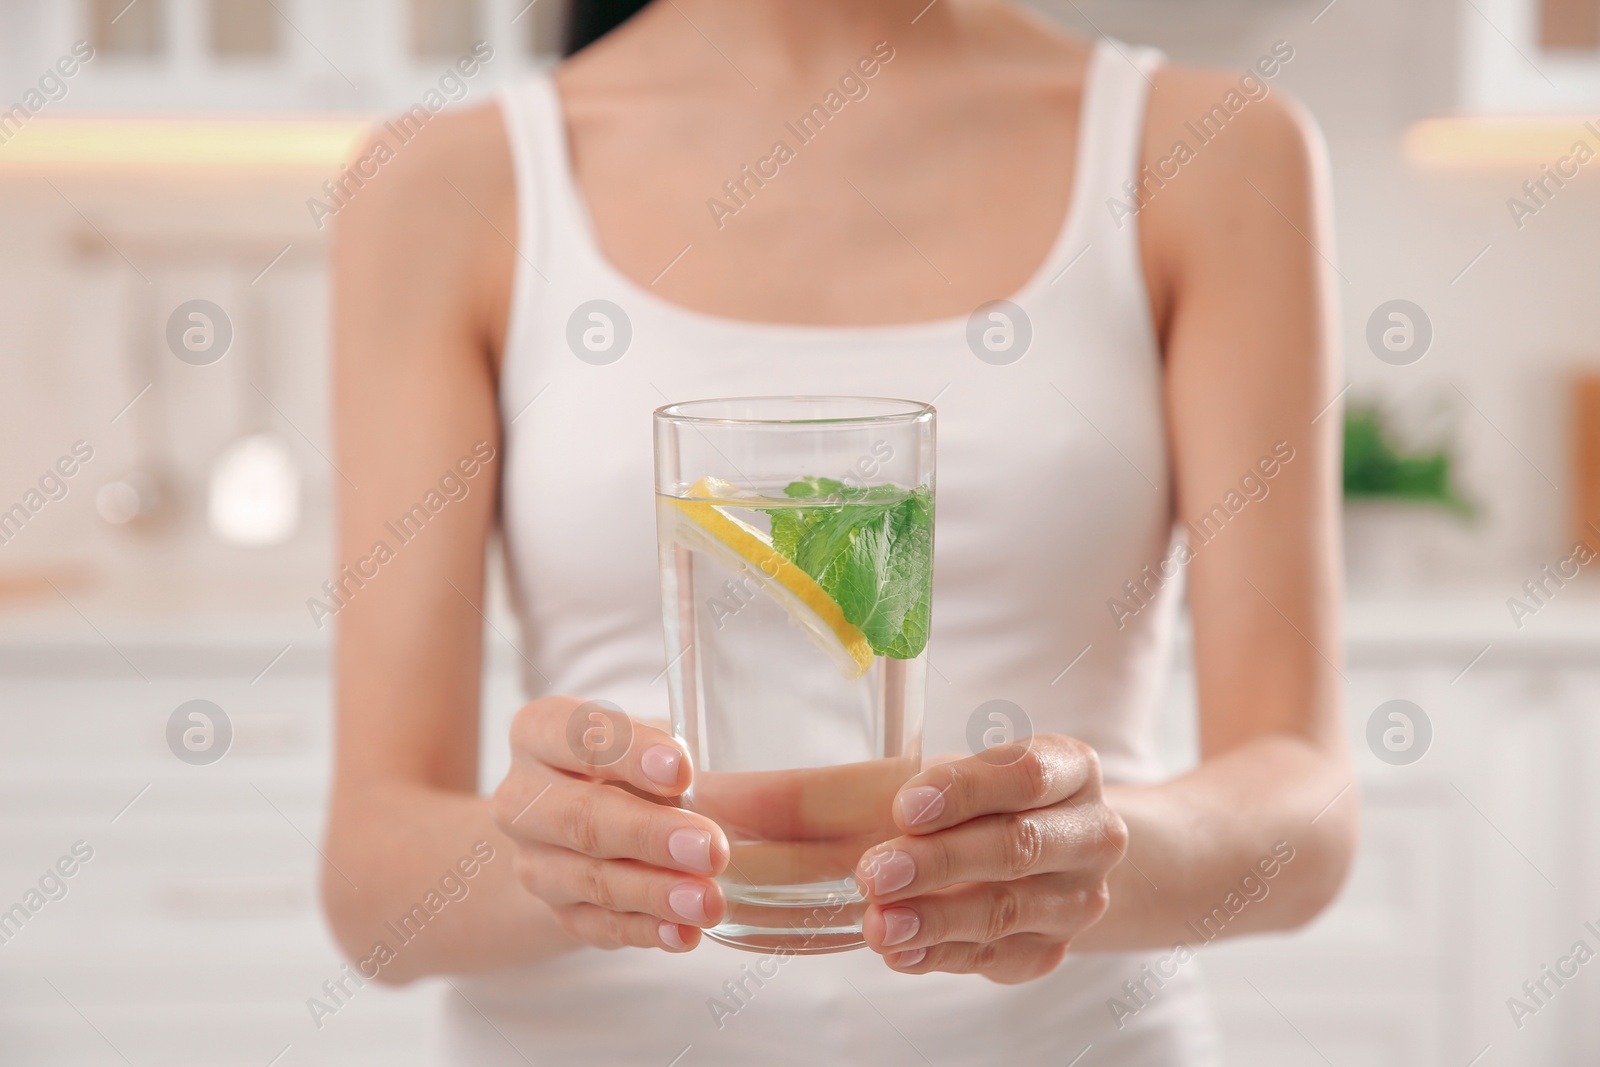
pixel 175 561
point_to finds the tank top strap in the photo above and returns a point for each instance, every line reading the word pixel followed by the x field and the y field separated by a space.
pixel 548 210
pixel 1110 142
pixel 548 239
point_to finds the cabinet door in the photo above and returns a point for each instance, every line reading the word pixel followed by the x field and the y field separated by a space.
pixel 1473 870
pixel 193 934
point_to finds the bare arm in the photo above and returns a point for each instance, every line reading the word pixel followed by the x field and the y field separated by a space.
pixel 421 281
pixel 581 854
pixel 1236 245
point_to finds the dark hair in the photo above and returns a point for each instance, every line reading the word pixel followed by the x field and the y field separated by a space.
pixel 590 20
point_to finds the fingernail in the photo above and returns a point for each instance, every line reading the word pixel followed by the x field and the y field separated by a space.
pixel 692 848
pixel 920 805
pixel 660 764
pixel 899 926
pixel 689 901
pixel 908 959
pixel 670 936
pixel 889 871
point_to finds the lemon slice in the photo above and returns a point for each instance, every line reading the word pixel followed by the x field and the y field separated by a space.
pixel 705 527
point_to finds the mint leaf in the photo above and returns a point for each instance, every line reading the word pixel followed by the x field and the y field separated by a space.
pixel 788 526
pixel 864 583
pixel 809 487
pixel 791 525
pixel 831 535
pixel 871 550
pixel 911 568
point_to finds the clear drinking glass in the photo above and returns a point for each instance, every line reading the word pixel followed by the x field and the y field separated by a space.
pixel 796 538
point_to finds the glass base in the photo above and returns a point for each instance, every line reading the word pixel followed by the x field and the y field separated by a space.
pixel 796 920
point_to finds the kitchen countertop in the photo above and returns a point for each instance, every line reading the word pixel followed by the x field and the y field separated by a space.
pixel 1443 626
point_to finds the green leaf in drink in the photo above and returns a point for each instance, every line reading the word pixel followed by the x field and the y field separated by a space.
pixel 871 550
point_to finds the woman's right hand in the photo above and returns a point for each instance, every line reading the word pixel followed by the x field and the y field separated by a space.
pixel 588 803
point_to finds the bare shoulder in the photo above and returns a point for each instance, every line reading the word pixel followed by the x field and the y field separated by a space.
pixel 427 204
pixel 1219 129
pixel 1228 157
pixel 407 160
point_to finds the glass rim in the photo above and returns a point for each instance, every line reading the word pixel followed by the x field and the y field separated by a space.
pixel 910 410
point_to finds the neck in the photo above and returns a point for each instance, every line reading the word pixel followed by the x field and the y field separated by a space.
pixel 799 36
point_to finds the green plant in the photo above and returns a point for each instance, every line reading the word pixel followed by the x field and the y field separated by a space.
pixel 1375 469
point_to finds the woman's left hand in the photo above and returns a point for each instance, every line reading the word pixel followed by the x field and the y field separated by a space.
pixel 1003 862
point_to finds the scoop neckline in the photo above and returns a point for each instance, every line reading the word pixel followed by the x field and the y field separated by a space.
pixel 581 221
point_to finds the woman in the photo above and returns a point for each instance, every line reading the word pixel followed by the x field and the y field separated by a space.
pixel 1164 422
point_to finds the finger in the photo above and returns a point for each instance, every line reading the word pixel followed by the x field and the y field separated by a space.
pixel 560 877
pixel 597 926
pixel 1020 958
pixel 593 739
pixel 1059 905
pixel 1045 770
pixel 608 823
pixel 995 848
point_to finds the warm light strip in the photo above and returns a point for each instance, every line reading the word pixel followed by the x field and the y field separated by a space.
pixel 167 145
pixel 1494 143
pixel 53 144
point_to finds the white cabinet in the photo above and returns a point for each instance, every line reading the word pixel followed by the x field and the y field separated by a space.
pixel 193 935
pixel 1476 868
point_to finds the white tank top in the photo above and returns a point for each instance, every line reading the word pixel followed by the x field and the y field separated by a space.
pixel 1053 490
